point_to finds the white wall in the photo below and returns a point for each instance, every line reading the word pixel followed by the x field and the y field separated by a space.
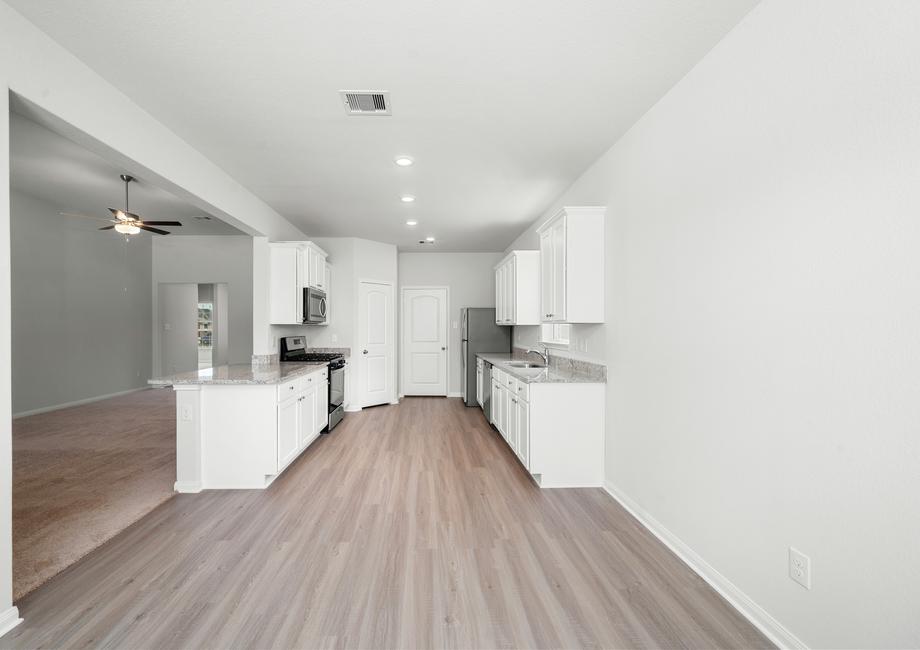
pixel 81 308
pixel 209 260
pixel 763 322
pixel 471 279
pixel 9 615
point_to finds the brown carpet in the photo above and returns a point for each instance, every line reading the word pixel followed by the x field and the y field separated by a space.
pixel 83 474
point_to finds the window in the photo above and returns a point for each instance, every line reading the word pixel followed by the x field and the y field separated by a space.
pixel 555 334
pixel 205 335
pixel 205 324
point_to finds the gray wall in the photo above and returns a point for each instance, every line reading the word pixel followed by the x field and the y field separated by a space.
pixel 210 260
pixel 177 316
pixel 471 279
pixel 81 308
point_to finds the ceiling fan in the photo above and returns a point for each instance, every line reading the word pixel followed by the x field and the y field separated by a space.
pixel 128 223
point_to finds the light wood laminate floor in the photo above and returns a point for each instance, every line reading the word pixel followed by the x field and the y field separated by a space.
pixel 410 526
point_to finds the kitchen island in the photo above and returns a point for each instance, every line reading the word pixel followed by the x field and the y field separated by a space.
pixel 240 426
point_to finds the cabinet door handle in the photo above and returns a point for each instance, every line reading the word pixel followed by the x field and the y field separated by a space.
pixel 364 352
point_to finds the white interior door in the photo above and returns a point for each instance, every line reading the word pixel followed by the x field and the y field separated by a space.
pixel 424 342
pixel 376 343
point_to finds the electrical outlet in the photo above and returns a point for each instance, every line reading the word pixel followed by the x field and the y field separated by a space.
pixel 186 413
pixel 335 338
pixel 800 567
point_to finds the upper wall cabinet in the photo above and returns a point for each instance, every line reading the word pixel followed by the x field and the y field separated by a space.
pixel 517 289
pixel 314 266
pixel 293 266
pixel 572 266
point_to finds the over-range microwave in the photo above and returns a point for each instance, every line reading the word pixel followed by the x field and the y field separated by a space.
pixel 314 306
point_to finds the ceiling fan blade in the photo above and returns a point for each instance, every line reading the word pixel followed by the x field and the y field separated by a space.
pixel 121 215
pixel 82 216
pixel 149 229
pixel 107 228
pixel 162 223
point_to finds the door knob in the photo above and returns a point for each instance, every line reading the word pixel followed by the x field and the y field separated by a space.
pixel 443 348
pixel 365 352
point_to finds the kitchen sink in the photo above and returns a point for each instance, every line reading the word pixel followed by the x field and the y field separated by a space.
pixel 525 364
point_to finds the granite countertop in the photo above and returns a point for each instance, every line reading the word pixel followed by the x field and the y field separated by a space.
pixel 240 374
pixel 590 374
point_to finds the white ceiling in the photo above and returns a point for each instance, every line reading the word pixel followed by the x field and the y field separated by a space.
pixel 50 167
pixel 502 103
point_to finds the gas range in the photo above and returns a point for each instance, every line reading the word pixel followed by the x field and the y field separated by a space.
pixel 294 348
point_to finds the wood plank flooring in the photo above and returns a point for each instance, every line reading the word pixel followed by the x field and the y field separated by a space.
pixel 410 526
pixel 83 474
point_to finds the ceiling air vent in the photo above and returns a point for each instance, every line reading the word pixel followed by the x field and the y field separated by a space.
pixel 366 102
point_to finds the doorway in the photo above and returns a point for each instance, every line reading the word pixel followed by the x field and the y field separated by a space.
pixel 376 343
pixel 423 322
pixel 192 323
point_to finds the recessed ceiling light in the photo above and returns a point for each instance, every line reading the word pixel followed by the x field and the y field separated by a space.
pixel 429 239
pixel 411 222
pixel 407 198
pixel 404 161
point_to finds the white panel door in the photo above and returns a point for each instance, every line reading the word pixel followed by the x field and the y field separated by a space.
pixel 424 342
pixel 376 343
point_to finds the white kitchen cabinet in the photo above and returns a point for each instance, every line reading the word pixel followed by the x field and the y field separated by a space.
pixel 511 420
pixel 555 429
pixel 496 404
pixel 293 266
pixel 316 267
pixel 517 289
pixel 572 266
pixel 306 418
pixel 286 264
pixel 288 431
pixel 480 377
pixel 522 422
pixel 322 405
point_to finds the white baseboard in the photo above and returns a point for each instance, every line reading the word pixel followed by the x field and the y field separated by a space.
pixel 79 402
pixel 9 619
pixel 457 394
pixel 187 487
pixel 758 616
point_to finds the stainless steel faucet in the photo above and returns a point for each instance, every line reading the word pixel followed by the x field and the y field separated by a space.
pixel 543 355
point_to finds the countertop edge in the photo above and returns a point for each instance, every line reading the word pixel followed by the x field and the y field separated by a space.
pixel 557 377
pixel 292 371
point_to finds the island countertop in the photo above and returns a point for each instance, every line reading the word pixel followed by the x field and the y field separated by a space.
pixel 240 374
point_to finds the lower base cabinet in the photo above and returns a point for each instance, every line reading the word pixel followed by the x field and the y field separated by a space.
pixel 246 434
pixel 555 430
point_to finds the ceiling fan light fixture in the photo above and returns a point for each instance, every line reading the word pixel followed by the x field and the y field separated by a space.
pixel 127 228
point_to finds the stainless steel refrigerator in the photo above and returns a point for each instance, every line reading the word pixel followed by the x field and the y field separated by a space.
pixel 479 333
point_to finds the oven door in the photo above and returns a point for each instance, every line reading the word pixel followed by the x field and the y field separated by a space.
pixel 314 306
pixel 336 388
